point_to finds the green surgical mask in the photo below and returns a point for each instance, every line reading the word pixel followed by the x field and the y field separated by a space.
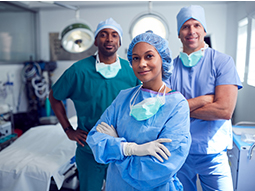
pixel 148 107
pixel 192 59
pixel 108 70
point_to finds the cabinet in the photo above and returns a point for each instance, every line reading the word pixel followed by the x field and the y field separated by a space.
pixel 242 163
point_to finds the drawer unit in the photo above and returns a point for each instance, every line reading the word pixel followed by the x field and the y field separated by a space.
pixel 242 165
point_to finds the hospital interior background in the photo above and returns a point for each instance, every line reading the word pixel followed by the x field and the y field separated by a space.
pixel 30 33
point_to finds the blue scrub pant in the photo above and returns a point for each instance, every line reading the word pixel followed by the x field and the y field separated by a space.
pixel 213 171
pixel 91 173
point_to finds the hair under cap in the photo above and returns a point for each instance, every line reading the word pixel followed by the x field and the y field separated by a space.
pixel 191 12
pixel 160 44
pixel 109 23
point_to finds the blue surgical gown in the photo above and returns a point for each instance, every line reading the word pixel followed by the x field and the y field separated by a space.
pixel 146 172
pixel 213 69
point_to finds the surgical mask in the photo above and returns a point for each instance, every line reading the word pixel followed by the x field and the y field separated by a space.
pixel 148 107
pixel 108 70
pixel 192 59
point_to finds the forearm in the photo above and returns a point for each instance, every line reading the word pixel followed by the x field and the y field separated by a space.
pixel 198 102
pixel 222 106
pixel 213 111
pixel 59 110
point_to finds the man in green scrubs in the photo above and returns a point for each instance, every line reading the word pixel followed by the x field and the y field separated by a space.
pixel 92 84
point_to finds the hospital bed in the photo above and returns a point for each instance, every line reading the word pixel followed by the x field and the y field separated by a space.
pixel 39 156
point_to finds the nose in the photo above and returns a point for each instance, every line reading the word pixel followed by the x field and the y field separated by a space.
pixel 192 30
pixel 109 38
pixel 142 63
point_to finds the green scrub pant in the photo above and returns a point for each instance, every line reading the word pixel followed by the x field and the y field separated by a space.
pixel 91 173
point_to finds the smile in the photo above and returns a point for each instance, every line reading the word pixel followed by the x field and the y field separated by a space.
pixel 192 38
pixel 143 72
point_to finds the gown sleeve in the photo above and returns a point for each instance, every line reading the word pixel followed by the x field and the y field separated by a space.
pixel 145 172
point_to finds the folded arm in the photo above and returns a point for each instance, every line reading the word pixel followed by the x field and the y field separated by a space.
pixel 221 107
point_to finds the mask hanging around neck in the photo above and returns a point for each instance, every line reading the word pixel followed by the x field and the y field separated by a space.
pixel 108 70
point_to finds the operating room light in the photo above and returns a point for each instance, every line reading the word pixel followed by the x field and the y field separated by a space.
pixel 77 38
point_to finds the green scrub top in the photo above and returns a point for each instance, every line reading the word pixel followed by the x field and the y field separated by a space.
pixel 90 92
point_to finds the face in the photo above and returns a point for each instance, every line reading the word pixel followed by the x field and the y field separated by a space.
pixel 192 35
pixel 147 64
pixel 107 41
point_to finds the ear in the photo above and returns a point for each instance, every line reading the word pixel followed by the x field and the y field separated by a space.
pixel 95 42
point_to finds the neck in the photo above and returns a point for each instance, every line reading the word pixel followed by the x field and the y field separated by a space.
pixel 188 51
pixel 154 86
pixel 107 59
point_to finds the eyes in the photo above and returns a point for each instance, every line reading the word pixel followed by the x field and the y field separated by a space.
pixel 187 26
pixel 104 34
pixel 148 56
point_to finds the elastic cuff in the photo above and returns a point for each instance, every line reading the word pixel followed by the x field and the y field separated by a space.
pixel 127 148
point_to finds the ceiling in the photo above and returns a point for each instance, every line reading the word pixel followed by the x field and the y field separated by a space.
pixel 47 5
pixel 51 5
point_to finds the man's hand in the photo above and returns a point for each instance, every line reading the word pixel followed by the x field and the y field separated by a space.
pixel 77 135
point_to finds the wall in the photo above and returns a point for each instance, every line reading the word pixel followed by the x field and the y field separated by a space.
pixel 124 13
pixel 245 107
pixel 221 26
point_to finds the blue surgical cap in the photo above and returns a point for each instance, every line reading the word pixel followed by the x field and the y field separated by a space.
pixel 192 12
pixel 160 44
pixel 109 23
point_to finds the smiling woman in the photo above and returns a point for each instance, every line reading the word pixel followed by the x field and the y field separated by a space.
pixel 144 134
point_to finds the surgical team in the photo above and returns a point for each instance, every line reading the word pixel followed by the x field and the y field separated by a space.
pixel 154 122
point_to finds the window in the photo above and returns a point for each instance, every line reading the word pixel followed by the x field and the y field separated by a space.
pixel 251 76
pixel 241 47
pixel 149 21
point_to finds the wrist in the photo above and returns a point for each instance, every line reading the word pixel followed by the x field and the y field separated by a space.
pixel 68 129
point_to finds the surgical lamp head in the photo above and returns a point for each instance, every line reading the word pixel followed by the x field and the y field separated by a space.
pixel 160 44
pixel 109 23
pixel 191 12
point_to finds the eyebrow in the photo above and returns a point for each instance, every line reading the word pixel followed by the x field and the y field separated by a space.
pixel 113 32
pixel 144 53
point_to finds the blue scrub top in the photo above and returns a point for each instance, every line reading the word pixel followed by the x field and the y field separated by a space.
pixel 146 172
pixel 213 69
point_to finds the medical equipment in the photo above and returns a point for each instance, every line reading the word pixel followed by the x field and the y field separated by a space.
pixel 36 77
pixel 5 129
pixel 241 158
pixel 41 153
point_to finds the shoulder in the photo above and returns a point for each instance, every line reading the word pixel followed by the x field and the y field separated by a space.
pixel 128 91
pixel 124 63
pixel 175 97
pixel 125 95
pixel 83 65
pixel 90 59
pixel 217 56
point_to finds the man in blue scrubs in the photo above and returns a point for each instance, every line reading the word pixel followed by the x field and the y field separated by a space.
pixel 209 80
pixel 92 84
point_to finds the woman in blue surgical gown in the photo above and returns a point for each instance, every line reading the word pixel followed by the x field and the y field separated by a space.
pixel 144 134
